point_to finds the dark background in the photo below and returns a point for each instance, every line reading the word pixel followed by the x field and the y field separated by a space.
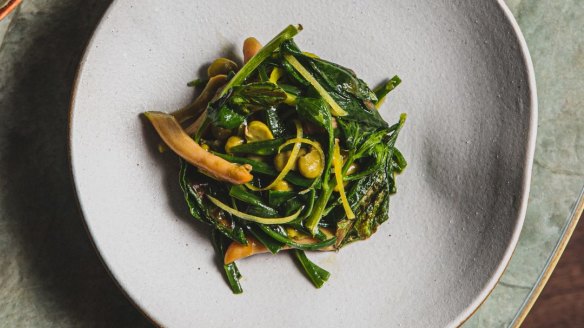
pixel 561 304
pixel 62 271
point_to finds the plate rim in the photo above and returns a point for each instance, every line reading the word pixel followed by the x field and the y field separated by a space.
pixel 530 151
pixel 471 308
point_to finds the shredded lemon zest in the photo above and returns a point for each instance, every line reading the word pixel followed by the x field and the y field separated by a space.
pixel 289 164
pixel 276 74
pixel 338 166
pixel 310 54
pixel 314 144
pixel 253 218
pixel 290 99
pixel 379 103
pixel 336 110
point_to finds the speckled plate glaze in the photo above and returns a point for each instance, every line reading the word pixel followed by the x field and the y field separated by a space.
pixel 469 92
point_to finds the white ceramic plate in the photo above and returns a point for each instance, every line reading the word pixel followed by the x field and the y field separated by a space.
pixel 470 95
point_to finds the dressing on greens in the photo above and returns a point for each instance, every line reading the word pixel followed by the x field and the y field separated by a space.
pixel 287 152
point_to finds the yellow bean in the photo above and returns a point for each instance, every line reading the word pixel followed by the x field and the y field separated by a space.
pixel 310 165
pixel 258 131
pixel 256 158
pixel 282 185
pixel 281 159
pixel 292 233
pixel 232 142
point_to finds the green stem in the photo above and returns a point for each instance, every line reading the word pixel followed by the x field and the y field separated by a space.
pixel 382 90
pixel 232 273
pixel 327 191
pixel 267 50
pixel 290 242
pixel 316 274
pixel 316 215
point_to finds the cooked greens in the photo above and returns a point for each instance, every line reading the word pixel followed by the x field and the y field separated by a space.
pixel 287 152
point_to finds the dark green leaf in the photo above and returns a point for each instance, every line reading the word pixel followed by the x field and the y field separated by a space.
pixel 369 199
pixel 195 186
pixel 291 205
pixel 265 52
pixel 370 142
pixel 278 233
pixel 273 245
pixel 308 199
pixel 224 117
pixel 263 148
pixel 261 211
pixel 274 122
pixel 315 110
pixel 192 205
pixel 256 96
pixel 378 156
pixel 293 75
pixel 317 275
pixel 233 107
pixel 232 273
pixel 277 198
pixel 341 79
pixel 241 193
pixel 290 89
pixel 351 93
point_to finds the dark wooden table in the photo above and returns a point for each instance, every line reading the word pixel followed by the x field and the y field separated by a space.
pixel 561 304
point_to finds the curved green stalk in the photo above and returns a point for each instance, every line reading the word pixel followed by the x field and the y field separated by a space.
pixel 266 51
pixel 290 242
pixel 316 274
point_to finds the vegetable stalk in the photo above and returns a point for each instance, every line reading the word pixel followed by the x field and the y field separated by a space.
pixel 287 34
pixel 253 218
pixel 317 275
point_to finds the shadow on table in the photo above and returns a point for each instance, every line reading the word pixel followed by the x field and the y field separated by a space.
pixel 56 262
